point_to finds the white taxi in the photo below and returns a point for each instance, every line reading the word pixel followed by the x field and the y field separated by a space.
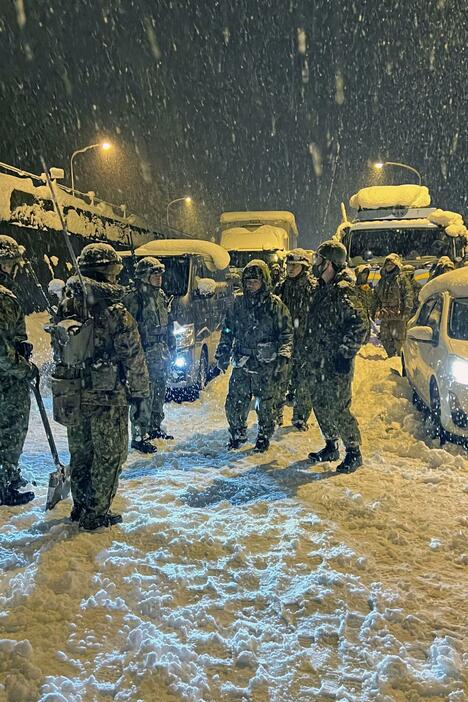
pixel 435 352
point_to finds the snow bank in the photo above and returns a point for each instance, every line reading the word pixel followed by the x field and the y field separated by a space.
pixel 455 282
pixel 378 196
pixel 215 256
pixel 264 238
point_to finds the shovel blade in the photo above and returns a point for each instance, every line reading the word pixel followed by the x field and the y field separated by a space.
pixel 59 486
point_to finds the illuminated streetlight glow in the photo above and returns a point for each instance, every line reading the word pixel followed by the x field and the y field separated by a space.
pixel 187 199
pixel 381 165
pixel 105 146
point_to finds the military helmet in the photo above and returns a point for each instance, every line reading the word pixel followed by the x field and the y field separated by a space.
pixel 408 268
pixel 97 256
pixel 298 256
pixel 393 258
pixel 252 272
pixel 10 250
pixel 334 251
pixel 148 265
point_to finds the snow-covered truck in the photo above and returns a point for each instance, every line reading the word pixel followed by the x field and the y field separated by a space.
pixel 265 235
pixel 27 214
pixel 399 219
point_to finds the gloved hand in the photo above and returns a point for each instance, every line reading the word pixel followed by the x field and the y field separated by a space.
pixel 342 364
pixel 33 373
pixel 222 366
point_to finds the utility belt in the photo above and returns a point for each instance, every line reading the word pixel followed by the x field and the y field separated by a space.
pixel 67 393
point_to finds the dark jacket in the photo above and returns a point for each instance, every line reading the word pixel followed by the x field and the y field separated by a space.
pixel 297 294
pixel 257 327
pixel 337 324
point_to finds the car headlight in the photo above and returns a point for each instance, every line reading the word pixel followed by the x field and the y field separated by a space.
pixel 185 335
pixel 180 362
pixel 459 370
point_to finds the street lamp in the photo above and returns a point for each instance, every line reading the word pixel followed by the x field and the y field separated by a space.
pixel 105 146
pixel 380 165
pixel 186 199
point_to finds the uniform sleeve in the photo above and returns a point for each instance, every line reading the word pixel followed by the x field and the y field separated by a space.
pixel 407 296
pixel 285 329
pixel 223 352
pixel 355 324
pixel 129 352
pixel 12 318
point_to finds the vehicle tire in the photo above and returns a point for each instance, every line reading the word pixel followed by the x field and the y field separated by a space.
pixel 437 430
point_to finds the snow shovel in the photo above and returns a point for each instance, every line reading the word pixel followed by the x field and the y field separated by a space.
pixel 59 479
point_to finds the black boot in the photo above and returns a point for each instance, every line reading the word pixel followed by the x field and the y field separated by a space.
pixel 76 512
pixel 143 445
pixel 328 453
pixel 91 522
pixel 262 444
pixel 159 434
pixel 352 461
pixel 237 439
pixel 12 497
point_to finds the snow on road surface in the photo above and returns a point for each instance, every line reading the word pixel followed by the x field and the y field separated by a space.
pixel 238 576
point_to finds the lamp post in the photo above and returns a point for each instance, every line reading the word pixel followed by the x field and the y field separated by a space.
pixel 186 199
pixel 105 146
pixel 380 165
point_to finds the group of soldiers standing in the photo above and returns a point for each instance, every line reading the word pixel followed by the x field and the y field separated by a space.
pixel 113 349
pixel 105 360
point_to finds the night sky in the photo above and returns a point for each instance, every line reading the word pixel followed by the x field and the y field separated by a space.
pixel 243 105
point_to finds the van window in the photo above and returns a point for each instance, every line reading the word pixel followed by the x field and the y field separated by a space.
pixel 458 320
pixel 176 275
pixel 428 309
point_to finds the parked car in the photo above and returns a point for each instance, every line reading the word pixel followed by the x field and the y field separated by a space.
pixel 435 352
pixel 196 279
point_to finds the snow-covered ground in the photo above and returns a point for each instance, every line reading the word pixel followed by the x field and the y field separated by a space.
pixel 238 576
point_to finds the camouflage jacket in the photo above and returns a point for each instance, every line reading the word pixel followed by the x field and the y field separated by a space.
pixel 393 296
pixel 150 307
pixel 337 325
pixel 12 333
pixel 117 345
pixel 257 328
pixel 297 294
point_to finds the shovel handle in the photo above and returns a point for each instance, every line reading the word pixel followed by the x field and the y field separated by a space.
pixel 46 423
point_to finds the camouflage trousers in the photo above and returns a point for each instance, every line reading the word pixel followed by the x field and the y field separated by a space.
pixel 151 412
pixel 295 384
pixel 98 449
pixel 331 401
pixel 392 335
pixel 242 387
pixel 15 405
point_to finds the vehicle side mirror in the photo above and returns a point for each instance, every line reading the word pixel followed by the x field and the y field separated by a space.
pixel 420 333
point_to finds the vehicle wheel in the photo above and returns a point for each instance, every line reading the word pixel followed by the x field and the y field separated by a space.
pixel 437 430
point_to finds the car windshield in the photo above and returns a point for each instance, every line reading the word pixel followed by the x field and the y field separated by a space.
pixel 458 320
pixel 366 244
pixel 239 259
pixel 176 275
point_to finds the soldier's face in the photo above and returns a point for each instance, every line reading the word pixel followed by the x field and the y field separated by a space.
pixel 253 285
pixel 389 266
pixel 293 269
pixel 155 280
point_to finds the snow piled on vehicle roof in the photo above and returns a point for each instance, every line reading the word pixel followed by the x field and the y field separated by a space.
pixel 378 196
pixel 273 215
pixel 213 254
pixel 451 221
pixel 265 238
pixel 454 282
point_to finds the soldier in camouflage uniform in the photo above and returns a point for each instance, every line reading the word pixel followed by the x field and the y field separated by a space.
pixel 15 373
pixel 257 337
pixel 410 270
pixel 364 292
pixel 443 265
pixel 297 292
pixel 116 373
pixel 337 328
pixel 147 302
pixel 392 304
